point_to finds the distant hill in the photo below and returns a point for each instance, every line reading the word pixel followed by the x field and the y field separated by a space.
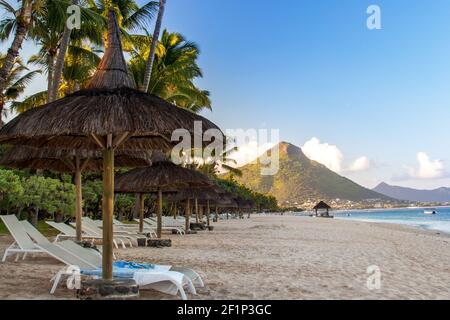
pixel 300 179
pixel 410 194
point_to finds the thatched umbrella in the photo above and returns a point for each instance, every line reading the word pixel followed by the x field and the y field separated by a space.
pixel 163 176
pixel 71 161
pixel 108 115
pixel 208 195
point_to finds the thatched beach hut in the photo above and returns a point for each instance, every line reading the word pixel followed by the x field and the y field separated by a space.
pixel 109 115
pixel 322 210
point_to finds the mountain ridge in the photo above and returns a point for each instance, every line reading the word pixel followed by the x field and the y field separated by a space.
pixel 441 194
pixel 301 179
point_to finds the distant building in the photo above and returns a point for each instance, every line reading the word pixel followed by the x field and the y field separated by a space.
pixel 322 209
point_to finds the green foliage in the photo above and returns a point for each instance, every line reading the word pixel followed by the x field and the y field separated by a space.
pixel 124 203
pixel 262 201
pixel 11 189
pixel 18 191
pixel 50 195
pixel 92 196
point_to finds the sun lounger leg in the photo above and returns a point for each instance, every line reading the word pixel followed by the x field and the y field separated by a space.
pixel 24 256
pixel 115 244
pixel 182 293
pixel 17 257
pixel 7 251
pixel 5 255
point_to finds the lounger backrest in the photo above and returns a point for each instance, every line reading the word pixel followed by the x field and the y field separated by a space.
pixel 63 228
pixel 33 232
pixel 119 223
pixel 90 256
pixel 91 227
pixel 150 221
pixel 18 232
pixel 63 255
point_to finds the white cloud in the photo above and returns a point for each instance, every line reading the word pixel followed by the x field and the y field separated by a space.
pixel 330 156
pixel 324 153
pixel 360 164
pixel 249 152
pixel 428 169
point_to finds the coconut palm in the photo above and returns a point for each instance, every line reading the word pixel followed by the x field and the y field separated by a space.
pixel 48 19
pixel 174 71
pixel 130 16
pixel 16 81
pixel 80 63
pixel 21 22
pixel 151 55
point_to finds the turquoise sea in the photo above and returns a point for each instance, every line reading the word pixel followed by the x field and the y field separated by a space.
pixel 407 216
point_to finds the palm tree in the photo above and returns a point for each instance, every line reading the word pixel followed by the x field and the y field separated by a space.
pixel 91 30
pixel 20 25
pixel 174 71
pixel 151 55
pixel 130 16
pixel 16 82
pixel 79 64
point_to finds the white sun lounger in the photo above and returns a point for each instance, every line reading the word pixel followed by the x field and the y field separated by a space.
pixel 69 232
pixel 162 278
pixel 22 242
pixel 92 228
pixel 133 229
pixel 118 232
pixel 152 223
pixel 93 257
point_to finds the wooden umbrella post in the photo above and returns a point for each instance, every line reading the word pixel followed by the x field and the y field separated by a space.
pixel 187 214
pixel 141 213
pixel 217 214
pixel 78 202
pixel 196 210
pixel 207 212
pixel 159 218
pixel 200 214
pixel 108 210
pixel 175 209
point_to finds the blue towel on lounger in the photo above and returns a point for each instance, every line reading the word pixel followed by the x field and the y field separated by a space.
pixel 121 269
pixel 133 265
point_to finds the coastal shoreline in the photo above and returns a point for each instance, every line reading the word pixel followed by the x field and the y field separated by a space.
pixel 277 257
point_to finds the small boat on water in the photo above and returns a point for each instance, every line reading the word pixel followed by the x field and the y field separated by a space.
pixel 430 211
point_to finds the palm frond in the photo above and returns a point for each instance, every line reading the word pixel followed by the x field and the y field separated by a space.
pixel 140 19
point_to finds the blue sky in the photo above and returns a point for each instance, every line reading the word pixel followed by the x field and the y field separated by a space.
pixel 312 69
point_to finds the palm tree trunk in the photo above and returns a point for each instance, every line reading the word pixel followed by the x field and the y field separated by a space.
pixel 151 56
pixel 23 22
pixel 51 64
pixel 2 106
pixel 59 64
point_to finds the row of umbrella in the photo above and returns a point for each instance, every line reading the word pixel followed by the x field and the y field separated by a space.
pixel 106 125
pixel 155 175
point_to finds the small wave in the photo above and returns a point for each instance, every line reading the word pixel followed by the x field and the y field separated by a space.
pixel 443 226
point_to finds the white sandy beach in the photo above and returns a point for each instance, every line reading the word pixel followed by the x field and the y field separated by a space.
pixel 278 258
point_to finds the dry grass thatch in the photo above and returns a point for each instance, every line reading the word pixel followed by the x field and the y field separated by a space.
pixel 162 175
pixel 110 105
pixel 60 160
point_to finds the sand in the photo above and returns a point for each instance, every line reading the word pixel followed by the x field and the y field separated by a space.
pixel 278 257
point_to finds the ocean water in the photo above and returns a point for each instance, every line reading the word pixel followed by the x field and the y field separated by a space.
pixel 408 216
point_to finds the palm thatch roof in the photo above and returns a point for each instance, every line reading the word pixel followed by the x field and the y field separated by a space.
pixel 162 175
pixel 61 160
pixel 322 205
pixel 110 105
